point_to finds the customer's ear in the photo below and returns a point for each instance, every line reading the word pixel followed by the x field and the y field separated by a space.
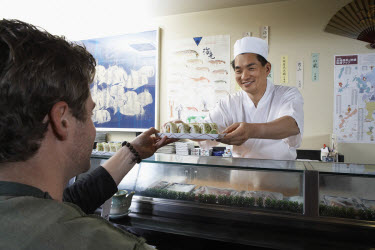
pixel 59 119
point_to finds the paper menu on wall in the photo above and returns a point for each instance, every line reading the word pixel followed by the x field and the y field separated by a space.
pixel 315 67
pixel 299 74
pixel 354 98
pixel 198 76
pixel 264 31
pixel 284 70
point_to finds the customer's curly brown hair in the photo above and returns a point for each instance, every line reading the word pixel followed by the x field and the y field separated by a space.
pixel 37 70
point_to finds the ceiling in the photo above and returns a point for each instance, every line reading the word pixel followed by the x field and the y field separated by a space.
pixel 34 11
pixel 174 7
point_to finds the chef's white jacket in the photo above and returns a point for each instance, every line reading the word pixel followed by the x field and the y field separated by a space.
pixel 277 101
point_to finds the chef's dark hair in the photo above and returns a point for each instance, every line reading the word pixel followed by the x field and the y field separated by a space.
pixel 260 58
pixel 37 70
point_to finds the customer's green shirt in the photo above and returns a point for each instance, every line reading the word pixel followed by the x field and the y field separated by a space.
pixel 31 219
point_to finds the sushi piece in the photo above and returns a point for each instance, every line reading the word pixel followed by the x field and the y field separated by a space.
pixel 183 128
pixel 170 127
pixel 213 127
pixel 195 129
pixel 205 128
pixel 214 131
pixel 188 52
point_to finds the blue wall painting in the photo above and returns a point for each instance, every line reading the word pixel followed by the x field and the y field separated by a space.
pixel 125 88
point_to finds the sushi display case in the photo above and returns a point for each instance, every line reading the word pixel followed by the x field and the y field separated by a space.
pixel 253 202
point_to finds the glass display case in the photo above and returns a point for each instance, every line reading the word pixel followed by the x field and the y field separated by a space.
pixel 299 195
pixel 338 189
pixel 346 190
pixel 221 181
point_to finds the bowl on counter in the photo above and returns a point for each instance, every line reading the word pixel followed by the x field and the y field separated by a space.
pixel 121 202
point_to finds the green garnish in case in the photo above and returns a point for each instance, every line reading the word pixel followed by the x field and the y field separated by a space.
pixel 214 131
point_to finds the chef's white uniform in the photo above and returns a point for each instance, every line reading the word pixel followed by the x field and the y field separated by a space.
pixel 277 101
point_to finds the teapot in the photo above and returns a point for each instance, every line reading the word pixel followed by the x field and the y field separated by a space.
pixel 121 202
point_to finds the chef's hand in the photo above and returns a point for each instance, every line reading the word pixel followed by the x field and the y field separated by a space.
pixel 147 143
pixel 237 133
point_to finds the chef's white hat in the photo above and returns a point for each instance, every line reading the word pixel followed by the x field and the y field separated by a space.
pixel 251 45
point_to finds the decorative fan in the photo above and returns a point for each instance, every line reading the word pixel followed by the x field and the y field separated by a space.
pixel 355 20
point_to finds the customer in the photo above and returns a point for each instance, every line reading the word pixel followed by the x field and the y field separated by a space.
pixel 46 138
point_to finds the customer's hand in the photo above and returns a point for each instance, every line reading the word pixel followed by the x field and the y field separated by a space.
pixel 147 143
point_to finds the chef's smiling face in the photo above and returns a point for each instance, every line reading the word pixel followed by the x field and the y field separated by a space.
pixel 250 75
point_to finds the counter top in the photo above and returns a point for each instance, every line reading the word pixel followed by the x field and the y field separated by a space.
pixel 367 170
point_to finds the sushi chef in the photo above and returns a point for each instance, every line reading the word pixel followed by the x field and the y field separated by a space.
pixel 263 120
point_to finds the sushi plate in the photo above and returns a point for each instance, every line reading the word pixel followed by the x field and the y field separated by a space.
pixel 192 136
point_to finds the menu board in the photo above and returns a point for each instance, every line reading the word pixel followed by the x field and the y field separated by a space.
pixel 198 76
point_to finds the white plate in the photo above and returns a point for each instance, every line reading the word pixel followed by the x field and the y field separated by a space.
pixel 117 216
pixel 192 136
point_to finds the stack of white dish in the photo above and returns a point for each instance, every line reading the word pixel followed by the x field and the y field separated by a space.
pixel 184 148
pixel 167 149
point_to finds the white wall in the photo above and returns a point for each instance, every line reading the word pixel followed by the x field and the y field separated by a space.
pixel 296 30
